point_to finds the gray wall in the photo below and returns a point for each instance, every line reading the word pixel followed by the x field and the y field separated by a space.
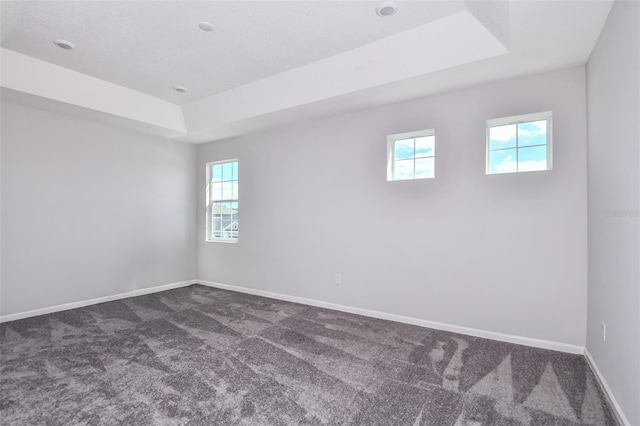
pixel 613 76
pixel 90 210
pixel 503 253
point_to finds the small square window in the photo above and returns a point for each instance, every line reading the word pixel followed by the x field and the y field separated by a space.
pixel 519 144
pixel 222 201
pixel 411 155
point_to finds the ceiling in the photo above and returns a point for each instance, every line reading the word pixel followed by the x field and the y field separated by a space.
pixel 267 63
pixel 152 46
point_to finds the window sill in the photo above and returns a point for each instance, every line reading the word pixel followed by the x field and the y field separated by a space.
pixel 222 240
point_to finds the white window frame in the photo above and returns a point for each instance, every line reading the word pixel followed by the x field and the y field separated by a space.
pixel 210 201
pixel 517 119
pixel 391 141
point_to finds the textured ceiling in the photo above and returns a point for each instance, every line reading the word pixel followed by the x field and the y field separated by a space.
pixel 152 46
pixel 269 63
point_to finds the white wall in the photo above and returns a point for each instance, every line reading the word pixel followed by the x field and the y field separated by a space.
pixel 613 76
pixel 503 253
pixel 89 210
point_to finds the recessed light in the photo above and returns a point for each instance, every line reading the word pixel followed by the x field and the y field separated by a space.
pixel 64 44
pixel 180 89
pixel 206 26
pixel 386 8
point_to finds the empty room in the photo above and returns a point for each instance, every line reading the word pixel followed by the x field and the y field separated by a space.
pixel 320 212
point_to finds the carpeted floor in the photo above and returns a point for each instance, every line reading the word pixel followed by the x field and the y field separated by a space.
pixel 202 356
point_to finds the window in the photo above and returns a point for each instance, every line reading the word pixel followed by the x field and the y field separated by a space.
pixel 411 155
pixel 222 201
pixel 519 144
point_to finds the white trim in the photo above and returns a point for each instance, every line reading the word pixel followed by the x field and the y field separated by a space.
pixel 80 304
pixel 527 341
pixel 617 410
pixel 522 118
pixel 221 240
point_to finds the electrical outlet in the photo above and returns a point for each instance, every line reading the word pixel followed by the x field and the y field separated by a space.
pixel 604 332
pixel 338 279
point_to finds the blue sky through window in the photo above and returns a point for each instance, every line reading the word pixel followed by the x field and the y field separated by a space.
pixel 518 147
pixel 223 212
pixel 413 158
pixel 404 149
pixel 532 133
pixel 224 181
pixel 502 137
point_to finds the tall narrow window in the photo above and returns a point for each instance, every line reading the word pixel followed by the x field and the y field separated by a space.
pixel 411 155
pixel 222 201
pixel 519 144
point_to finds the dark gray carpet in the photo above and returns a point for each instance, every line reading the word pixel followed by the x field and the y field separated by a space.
pixel 201 356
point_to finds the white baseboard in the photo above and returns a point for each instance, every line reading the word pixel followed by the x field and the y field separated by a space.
pixel 607 390
pixel 526 341
pixel 80 304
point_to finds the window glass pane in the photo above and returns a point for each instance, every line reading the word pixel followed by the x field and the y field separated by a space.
pixel 226 225
pixel 234 219
pixel 216 174
pixel 223 214
pixel 425 147
pixel 502 137
pixel 226 221
pixel 227 171
pixel 402 158
pixel 532 143
pixel 533 158
pixel 425 168
pixel 403 149
pixel 502 161
pixel 234 172
pixel 403 170
pixel 532 133
pixel 227 190
pixel 216 191
pixel 234 188
pixel 215 223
